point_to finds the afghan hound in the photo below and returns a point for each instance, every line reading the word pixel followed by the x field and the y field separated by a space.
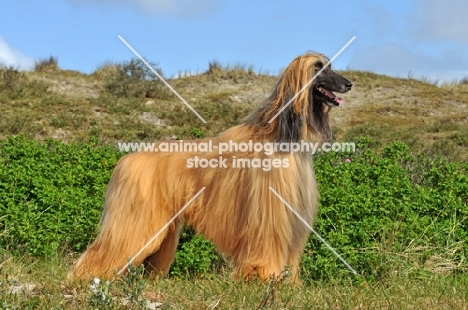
pixel 237 211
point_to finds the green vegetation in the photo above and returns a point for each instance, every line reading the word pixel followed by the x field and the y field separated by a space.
pixel 51 194
pixel 390 214
pixel 134 79
pixel 396 211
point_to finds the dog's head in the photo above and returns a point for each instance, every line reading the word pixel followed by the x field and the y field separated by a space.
pixel 325 83
pixel 299 103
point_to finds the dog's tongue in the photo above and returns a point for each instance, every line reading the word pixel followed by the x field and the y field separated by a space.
pixel 332 95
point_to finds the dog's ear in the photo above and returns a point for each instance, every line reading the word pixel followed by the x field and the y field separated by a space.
pixel 290 124
pixel 317 66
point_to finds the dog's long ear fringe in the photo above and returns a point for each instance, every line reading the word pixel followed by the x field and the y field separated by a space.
pixel 290 125
pixel 319 123
pixel 300 115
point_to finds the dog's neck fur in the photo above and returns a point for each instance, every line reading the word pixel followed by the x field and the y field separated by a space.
pixel 292 124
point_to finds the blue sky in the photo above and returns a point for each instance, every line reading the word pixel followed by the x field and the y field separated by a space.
pixel 421 38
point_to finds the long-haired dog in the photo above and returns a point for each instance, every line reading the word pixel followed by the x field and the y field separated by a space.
pixel 237 211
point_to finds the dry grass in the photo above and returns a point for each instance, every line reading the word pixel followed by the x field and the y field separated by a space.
pixel 75 107
pixel 41 284
pixel 389 109
pixel 385 109
pixel 47 65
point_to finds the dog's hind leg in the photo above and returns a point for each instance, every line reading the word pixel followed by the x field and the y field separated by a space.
pixel 107 256
pixel 130 219
pixel 160 262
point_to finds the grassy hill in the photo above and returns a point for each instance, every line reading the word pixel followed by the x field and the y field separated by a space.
pixel 111 105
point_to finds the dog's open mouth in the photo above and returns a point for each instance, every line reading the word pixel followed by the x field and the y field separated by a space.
pixel 329 97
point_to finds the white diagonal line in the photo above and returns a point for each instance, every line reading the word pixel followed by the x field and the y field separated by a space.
pixel 160 77
pixel 313 230
pixel 311 80
pixel 160 231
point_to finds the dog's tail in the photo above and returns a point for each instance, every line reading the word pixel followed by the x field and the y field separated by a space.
pixel 133 214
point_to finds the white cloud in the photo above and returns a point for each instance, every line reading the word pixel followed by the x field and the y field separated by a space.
pixel 396 60
pixel 435 20
pixel 12 57
pixel 176 8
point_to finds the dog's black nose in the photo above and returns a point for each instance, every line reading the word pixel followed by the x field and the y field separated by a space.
pixel 349 85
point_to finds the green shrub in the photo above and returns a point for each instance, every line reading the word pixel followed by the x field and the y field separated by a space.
pixel 195 255
pixel 51 194
pixel 389 209
pixel 384 212
pixel 133 79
